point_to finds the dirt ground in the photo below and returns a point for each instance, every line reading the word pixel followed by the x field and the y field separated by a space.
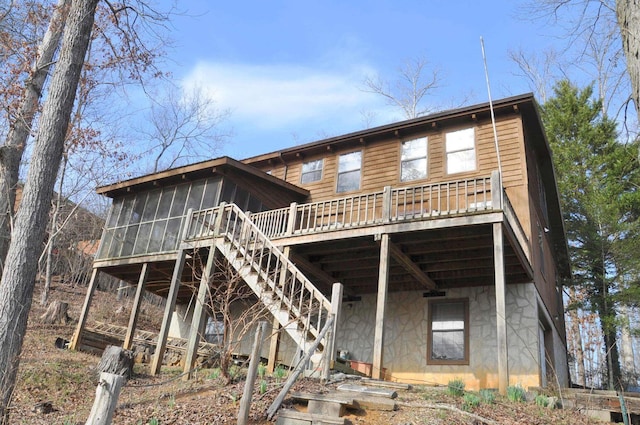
pixel 68 380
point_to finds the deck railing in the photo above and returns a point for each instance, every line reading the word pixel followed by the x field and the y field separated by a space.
pixel 389 205
pixel 422 202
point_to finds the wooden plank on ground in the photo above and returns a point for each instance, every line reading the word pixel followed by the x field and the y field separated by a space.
pixel 362 389
pixel 346 399
pixel 375 403
pixel 386 384
pixel 310 418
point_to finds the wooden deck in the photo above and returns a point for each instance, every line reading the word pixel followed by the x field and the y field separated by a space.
pixel 441 236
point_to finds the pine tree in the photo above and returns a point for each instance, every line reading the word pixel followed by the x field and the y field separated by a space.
pixel 597 180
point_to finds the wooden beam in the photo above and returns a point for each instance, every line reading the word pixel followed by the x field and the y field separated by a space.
pixel 135 308
pixel 411 267
pixel 198 317
pixel 168 311
pixel 77 335
pixel 274 345
pixel 383 287
pixel 306 265
pixel 501 309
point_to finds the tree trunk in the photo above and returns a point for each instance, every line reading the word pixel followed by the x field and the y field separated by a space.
pixel 18 275
pixel 11 152
pixel 628 14
pixel 577 349
pixel 626 345
pixel 107 394
pixel 116 360
pixel 52 236
pixel 56 313
pixel 576 336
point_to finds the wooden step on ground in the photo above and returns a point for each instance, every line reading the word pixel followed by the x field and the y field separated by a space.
pixel 293 417
pixel 368 391
pixel 330 404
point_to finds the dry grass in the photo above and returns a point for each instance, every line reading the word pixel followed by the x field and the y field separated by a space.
pixel 68 380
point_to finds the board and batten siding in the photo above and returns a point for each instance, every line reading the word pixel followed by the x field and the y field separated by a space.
pixel 381 164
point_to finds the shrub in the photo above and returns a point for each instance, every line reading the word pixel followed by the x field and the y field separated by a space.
pixel 542 400
pixel 279 373
pixel 262 370
pixel 470 401
pixel 488 396
pixel 515 393
pixel 455 387
pixel 215 374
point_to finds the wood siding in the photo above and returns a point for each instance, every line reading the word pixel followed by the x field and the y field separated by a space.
pixel 381 164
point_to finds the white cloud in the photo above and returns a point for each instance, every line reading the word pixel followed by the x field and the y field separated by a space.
pixel 277 96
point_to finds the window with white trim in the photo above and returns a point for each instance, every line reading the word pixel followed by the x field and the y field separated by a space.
pixel 349 168
pixel 311 171
pixel 448 327
pixel 461 151
pixel 413 159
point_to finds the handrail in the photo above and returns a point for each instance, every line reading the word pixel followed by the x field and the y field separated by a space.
pixel 276 270
pixel 392 204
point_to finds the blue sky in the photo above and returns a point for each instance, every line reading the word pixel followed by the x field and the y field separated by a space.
pixel 291 72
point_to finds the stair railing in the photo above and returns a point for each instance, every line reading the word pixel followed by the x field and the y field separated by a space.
pixel 306 304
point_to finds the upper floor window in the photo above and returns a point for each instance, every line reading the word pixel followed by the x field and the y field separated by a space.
pixel 448 327
pixel 413 160
pixel 461 151
pixel 311 171
pixel 349 168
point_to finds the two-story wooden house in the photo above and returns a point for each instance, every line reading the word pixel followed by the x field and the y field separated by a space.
pixel 446 240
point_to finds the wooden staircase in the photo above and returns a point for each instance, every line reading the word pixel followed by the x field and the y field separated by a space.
pixel 300 308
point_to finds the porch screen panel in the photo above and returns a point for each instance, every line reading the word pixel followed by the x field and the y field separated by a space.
pixel 448 331
pixel 151 222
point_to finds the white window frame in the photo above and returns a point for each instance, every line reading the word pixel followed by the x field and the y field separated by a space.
pixel 311 172
pixel 460 147
pixel 408 155
pixel 346 167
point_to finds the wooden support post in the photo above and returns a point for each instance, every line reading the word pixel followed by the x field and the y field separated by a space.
pixel 501 309
pixel 274 345
pixel 496 190
pixel 107 394
pixel 386 204
pixel 76 340
pixel 245 402
pixel 330 347
pixel 271 411
pixel 336 309
pixel 135 309
pixel 383 286
pixel 291 224
pixel 168 310
pixel 198 316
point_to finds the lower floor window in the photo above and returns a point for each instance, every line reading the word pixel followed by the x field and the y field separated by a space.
pixel 448 339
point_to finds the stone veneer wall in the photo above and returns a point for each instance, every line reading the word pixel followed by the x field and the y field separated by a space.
pixel 405 344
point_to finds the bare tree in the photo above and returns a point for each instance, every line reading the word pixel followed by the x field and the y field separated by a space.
pixel 20 129
pixel 541 71
pixel 183 127
pixel 235 311
pixel 18 276
pixel 628 15
pixel 599 35
pixel 409 92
